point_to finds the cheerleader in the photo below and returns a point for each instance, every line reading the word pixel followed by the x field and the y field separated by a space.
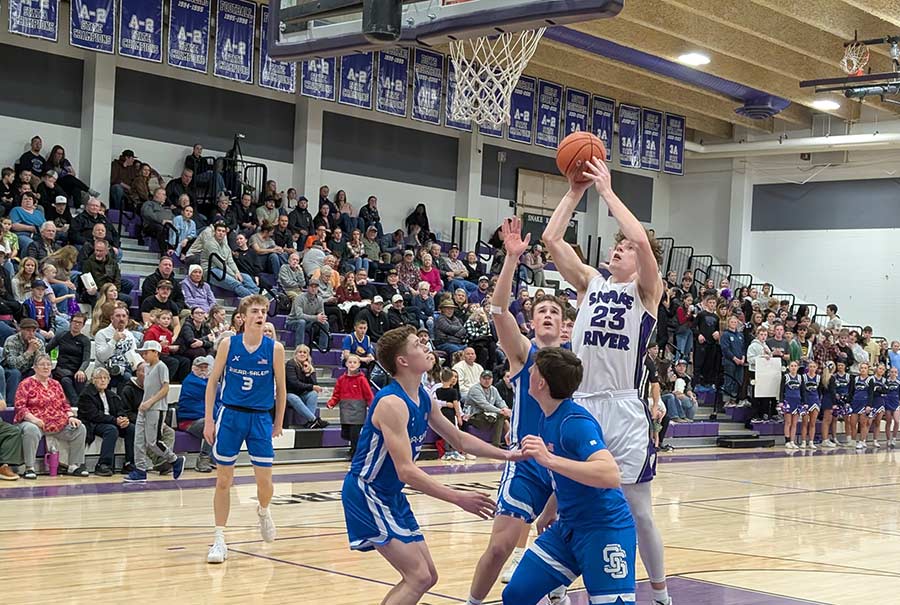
pixel 812 402
pixel 892 406
pixel 879 391
pixel 791 403
pixel 835 401
pixel 861 394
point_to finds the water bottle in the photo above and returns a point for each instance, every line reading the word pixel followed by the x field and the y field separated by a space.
pixel 51 459
pixel 54 355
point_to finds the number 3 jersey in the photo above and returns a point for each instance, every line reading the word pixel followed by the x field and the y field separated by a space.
pixel 248 380
pixel 610 337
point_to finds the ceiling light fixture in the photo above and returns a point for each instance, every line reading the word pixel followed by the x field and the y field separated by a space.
pixel 694 59
pixel 826 104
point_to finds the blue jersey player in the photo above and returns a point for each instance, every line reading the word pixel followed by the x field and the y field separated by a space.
pixel 377 513
pixel 524 486
pixel 248 373
pixel 591 531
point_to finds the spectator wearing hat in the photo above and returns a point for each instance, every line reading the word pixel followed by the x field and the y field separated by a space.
pixel 394 286
pixel 408 271
pixel 39 308
pixel 61 216
pixel 481 291
pixel 165 270
pixel 684 403
pixel 300 221
pixel 484 406
pixel 122 174
pixel 192 409
pixel 20 350
pixel 307 317
pixel 398 315
pixel 196 292
pixel 73 358
pixel 222 211
pixel 105 415
pixel 375 317
pixel 267 213
pixel 42 410
pixel 449 330
pixel 162 299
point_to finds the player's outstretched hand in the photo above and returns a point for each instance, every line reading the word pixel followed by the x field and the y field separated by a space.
pixel 515 455
pixel 476 503
pixel 598 172
pixel 276 430
pixel 534 447
pixel 515 245
pixel 209 431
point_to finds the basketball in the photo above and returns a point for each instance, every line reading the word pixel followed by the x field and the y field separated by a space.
pixel 576 150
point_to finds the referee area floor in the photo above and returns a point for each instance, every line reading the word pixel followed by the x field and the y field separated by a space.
pixel 753 527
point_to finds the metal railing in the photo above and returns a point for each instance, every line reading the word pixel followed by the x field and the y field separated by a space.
pixel 718 272
pixel 740 280
pixel 666 244
pixel 680 259
pixel 702 262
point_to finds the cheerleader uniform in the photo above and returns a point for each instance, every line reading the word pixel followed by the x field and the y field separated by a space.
pixel 838 394
pixel 892 395
pixel 879 390
pixel 860 394
pixel 791 394
pixel 811 393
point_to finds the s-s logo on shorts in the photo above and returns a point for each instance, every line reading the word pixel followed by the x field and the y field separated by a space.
pixel 616 560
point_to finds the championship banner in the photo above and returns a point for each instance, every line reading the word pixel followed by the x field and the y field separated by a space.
pixel 489 130
pixel 651 135
pixel 393 79
pixel 140 29
pixel 673 150
pixel 317 79
pixel 235 25
pixel 629 136
pixel 577 103
pixel 521 111
pixel 188 46
pixel 428 78
pixel 275 75
pixel 356 80
pixel 549 101
pixel 451 94
pixel 34 18
pixel 92 25
pixel 603 122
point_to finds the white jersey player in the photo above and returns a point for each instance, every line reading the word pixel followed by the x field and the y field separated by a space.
pixel 615 318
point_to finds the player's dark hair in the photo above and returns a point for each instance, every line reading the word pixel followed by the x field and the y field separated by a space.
pixel 391 345
pixel 571 312
pixel 553 300
pixel 562 370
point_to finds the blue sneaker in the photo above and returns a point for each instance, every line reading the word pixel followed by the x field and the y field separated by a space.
pixel 178 467
pixel 135 476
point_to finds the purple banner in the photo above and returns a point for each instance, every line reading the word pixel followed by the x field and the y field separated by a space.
pixel 235 26
pixel 356 80
pixel 140 29
pixel 34 18
pixel 189 35
pixel 275 75
pixel 521 111
pixel 577 107
pixel 451 94
pixel 604 118
pixel 629 136
pixel 549 102
pixel 93 25
pixel 393 79
pixel 651 135
pixel 317 79
pixel 428 84
pixel 673 151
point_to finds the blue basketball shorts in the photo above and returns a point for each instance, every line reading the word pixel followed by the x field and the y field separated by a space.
pixel 236 427
pixel 604 558
pixel 524 490
pixel 374 519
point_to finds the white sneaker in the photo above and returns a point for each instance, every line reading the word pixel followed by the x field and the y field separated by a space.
pixel 457 456
pixel 218 552
pixel 876 444
pixel 860 445
pixel 266 525
pixel 791 445
pixel 558 596
pixel 811 446
pixel 801 445
pixel 828 443
pixel 447 457
pixel 471 457
pixel 507 574
pixel 892 444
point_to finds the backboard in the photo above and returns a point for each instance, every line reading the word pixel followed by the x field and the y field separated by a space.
pixel 304 29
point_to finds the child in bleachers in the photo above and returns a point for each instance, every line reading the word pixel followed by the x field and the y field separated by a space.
pixel 892 407
pixel 448 395
pixel 791 403
pixel 160 320
pixel 353 393
pixel 812 403
pixel 48 276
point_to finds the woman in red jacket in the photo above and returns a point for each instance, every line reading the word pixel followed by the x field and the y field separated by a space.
pixel 353 393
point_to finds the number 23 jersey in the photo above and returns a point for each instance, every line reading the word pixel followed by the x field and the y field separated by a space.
pixel 610 336
pixel 248 380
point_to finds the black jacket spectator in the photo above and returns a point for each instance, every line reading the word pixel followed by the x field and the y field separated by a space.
pixel 83 224
pixel 34 162
pixel 300 220
pixel 91 412
pixel 49 194
pixel 8 303
pixel 297 381
pixel 148 288
pixel 191 332
pixel 449 330
pixel 369 215
pixel 242 215
pixel 387 291
pixel 377 322
pixel 406 317
pixel 177 187
pixel 327 221
pixel 40 249
pixel 74 353
pixel 132 395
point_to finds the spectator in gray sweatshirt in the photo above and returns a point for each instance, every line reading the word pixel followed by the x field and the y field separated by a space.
pixel 486 408
pixel 308 317
pixel 156 216
pixel 234 281
pixel 290 276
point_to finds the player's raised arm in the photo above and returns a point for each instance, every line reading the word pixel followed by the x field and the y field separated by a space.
pixel 463 441
pixel 649 282
pixel 215 375
pixel 513 343
pixel 570 266
pixel 391 417
pixel 280 389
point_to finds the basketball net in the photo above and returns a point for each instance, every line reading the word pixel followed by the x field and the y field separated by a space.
pixel 487 70
pixel 855 59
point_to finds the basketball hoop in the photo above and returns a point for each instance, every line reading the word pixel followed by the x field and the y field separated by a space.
pixel 487 70
pixel 855 59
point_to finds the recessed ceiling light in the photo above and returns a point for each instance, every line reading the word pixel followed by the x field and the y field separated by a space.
pixel 694 59
pixel 826 104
